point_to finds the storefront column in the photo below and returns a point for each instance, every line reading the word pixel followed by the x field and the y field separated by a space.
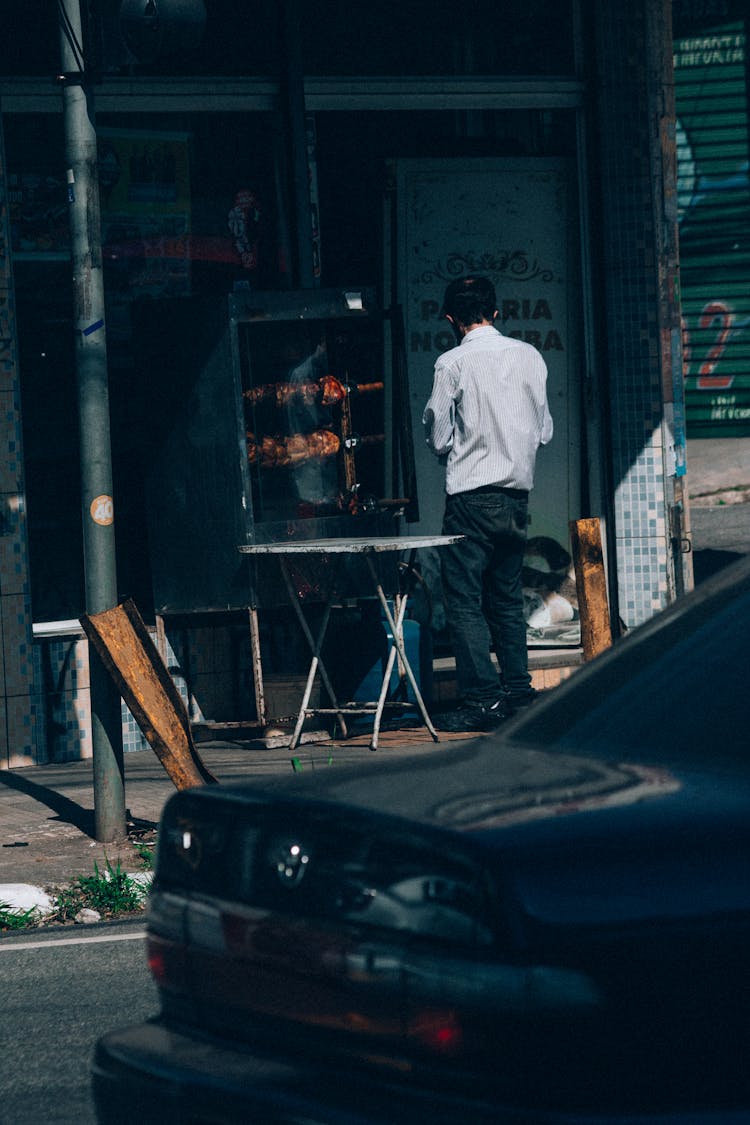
pixel 640 315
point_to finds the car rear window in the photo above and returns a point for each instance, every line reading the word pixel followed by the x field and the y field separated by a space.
pixel 680 696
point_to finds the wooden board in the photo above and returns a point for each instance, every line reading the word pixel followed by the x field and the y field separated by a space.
pixel 126 649
pixel 591 585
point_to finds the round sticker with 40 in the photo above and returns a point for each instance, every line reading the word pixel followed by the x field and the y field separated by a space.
pixel 102 510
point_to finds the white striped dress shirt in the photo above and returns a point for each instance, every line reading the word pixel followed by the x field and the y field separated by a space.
pixel 488 411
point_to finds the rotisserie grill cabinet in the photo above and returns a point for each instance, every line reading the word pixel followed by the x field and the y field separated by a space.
pixel 270 417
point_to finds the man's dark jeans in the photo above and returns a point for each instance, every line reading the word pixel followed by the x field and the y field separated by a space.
pixel 482 591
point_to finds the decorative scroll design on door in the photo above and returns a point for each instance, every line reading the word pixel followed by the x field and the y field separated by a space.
pixel 507 264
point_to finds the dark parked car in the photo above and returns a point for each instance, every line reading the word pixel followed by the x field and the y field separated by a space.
pixel 548 924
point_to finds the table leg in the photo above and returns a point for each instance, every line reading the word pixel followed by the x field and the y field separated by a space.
pixel 402 690
pixel 398 646
pixel 260 696
pixel 387 678
pixel 316 663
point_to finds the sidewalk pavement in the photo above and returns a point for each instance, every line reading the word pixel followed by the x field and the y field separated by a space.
pixel 47 812
pixel 718 471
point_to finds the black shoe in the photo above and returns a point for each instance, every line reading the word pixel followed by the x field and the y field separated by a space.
pixel 498 711
pixel 517 700
pixel 471 718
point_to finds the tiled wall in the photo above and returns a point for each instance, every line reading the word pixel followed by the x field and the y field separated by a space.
pixel 61 676
pixel 628 110
pixel 210 667
pixel 63 702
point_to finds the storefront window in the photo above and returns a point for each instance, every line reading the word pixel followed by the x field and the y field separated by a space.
pixel 437 38
pixel 190 203
pixel 32 40
pixel 338 37
pixel 240 38
pixel 189 207
pixel 353 155
pixel 50 434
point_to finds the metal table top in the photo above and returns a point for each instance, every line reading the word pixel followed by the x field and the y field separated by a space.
pixel 358 546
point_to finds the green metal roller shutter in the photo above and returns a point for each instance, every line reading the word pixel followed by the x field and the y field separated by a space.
pixel 714 208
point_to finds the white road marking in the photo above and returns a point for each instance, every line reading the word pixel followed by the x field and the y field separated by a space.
pixel 53 942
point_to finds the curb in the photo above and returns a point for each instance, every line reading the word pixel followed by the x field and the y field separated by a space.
pixel 730 496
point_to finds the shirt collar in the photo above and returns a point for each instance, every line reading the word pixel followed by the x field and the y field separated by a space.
pixel 475 333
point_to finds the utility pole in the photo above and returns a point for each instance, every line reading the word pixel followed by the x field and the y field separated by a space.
pixel 93 412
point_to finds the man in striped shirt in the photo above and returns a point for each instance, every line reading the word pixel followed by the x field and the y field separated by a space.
pixel 485 419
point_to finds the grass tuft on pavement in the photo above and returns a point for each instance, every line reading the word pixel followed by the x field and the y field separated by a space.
pixel 14 919
pixel 111 892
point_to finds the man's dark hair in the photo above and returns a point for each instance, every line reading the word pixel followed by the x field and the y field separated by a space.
pixel 470 300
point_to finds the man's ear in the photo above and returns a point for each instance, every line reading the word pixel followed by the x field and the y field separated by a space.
pixel 458 329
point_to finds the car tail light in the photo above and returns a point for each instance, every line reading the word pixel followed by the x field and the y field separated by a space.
pixel 167 962
pixel 440 1032
pixel 166 948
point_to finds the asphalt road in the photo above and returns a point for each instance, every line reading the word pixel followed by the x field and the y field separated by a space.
pixel 61 990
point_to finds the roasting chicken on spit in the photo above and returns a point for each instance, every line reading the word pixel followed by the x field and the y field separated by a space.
pixel 279 451
pixel 326 391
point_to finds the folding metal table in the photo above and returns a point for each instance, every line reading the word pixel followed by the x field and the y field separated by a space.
pixel 366 548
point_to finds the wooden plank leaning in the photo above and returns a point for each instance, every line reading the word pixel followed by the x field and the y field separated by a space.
pixel 127 651
pixel 591 586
